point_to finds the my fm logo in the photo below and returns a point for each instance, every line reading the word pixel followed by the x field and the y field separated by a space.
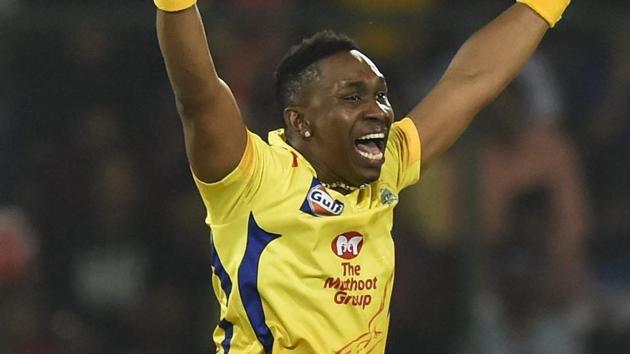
pixel 347 245
pixel 322 204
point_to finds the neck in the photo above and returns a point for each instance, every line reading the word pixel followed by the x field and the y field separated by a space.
pixel 323 173
pixel 342 187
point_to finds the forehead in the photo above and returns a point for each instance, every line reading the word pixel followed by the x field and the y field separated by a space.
pixel 349 66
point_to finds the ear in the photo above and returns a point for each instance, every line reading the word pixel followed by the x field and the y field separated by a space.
pixel 295 122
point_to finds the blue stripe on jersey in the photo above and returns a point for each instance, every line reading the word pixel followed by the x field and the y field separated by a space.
pixel 226 285
pixel 219 270
pixel 257 240
pixel 228 328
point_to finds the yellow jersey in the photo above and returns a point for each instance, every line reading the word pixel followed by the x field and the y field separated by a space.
pixel 298 268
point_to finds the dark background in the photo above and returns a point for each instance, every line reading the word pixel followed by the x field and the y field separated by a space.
pixel 103 248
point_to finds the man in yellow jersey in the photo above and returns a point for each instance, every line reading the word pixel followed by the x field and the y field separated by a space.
pixel 303 258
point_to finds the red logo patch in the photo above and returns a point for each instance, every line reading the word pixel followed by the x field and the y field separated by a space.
pixel 347 245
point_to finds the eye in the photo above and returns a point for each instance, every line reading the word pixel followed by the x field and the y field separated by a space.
pixel 352 98
pixel 381 96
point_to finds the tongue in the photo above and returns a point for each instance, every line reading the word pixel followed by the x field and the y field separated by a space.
pixel 368 146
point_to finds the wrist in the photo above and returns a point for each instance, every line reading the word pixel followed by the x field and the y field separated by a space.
pixel 173 5
pixel 550 10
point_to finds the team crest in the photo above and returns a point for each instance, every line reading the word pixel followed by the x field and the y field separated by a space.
pixel 388 197
pixel 319 203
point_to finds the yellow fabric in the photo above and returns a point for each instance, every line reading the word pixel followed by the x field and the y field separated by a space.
pixel 294 277
pixel 550 10
pixel 173 5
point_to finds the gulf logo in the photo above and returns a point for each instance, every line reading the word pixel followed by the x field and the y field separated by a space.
pixel 347 245
pixel 321 203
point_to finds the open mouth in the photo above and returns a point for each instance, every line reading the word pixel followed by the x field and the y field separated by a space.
pixel 371 146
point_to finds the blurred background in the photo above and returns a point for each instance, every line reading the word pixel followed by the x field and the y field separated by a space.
pixel 516 242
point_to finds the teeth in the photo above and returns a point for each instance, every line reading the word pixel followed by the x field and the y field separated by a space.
pixel 373 136
pixel 370 156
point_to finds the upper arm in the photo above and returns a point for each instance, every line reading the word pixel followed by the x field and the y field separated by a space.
pixel 214 131
pixel 445 112
pixel 481 69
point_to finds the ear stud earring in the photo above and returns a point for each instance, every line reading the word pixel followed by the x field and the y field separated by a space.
pixel 307 134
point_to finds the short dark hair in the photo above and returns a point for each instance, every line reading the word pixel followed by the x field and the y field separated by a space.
pixel 297 69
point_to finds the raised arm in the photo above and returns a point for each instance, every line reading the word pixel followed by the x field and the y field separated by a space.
pixel 214 131
pixel 481 69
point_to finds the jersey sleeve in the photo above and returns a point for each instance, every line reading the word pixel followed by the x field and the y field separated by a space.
pixel 404 154
pixel 224 199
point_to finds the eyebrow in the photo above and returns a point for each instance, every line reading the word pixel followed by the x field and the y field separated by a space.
pixel 352 84
pixel 359 84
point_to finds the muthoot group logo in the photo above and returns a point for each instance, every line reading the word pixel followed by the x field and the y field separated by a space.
pixel 347 245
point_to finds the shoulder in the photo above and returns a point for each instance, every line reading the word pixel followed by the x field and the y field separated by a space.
pixel 402 155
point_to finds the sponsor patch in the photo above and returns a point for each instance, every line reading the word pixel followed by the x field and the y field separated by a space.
pixel 347 245
pixel 319 203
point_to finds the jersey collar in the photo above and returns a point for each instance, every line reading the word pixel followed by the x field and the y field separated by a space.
pixel 278 138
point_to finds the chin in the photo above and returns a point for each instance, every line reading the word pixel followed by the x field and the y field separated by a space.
pixel 368 176
pixel 363 171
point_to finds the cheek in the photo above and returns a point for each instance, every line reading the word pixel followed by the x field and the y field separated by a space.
pixel 334 135
pixel 387 107
pixel 392 114
pixel 338 126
